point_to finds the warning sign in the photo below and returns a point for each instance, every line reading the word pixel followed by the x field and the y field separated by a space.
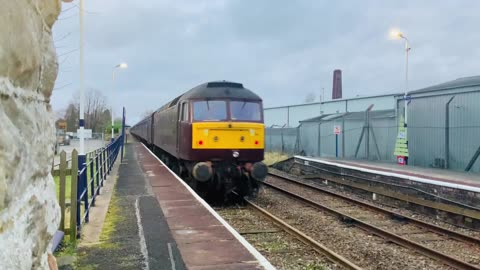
pixel 337 130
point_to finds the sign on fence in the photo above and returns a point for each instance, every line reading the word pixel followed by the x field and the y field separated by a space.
pixel 337 130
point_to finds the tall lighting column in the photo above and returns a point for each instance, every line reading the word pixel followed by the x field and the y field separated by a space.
pixel 398 34
pixel 81 122
pixel 119 66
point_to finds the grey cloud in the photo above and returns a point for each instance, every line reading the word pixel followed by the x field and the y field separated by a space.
pixel 281 49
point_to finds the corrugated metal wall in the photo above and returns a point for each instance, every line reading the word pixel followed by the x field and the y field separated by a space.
pixel 381 136
pixel 290 116
pixel 283 140
pixel 427 129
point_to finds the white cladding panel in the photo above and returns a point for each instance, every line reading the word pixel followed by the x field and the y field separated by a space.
pixel 276 117
pixel 299 113
pixel 380 103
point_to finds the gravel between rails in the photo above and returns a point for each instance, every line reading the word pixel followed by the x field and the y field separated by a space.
pixel 280 248
pixel 405 212
pixel 463 251
pixel 366 250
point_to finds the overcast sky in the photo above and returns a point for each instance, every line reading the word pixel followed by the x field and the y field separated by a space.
pixel 282 50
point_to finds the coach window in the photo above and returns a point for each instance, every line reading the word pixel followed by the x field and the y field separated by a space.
pixel 212 110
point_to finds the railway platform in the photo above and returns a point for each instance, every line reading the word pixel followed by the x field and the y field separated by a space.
pixel 435 176
pixel 451 196
pixel 162 224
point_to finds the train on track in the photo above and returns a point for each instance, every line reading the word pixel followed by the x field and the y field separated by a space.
pixel 212 136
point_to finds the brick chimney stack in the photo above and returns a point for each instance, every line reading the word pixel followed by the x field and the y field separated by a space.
pixel 337 84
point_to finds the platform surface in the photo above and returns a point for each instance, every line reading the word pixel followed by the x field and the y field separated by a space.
pixel 441 175
pixel 201 238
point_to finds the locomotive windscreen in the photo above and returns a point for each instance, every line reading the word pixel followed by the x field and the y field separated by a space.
pixel 213 110
pixel 245 111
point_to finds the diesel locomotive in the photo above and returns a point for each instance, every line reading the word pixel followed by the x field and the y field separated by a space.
pixel 212 136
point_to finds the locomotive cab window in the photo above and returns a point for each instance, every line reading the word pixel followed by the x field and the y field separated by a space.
pixel 245 111
pixel 184 112
pixel 212 110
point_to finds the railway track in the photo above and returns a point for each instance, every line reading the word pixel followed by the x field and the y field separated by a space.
pixel 454 249
pixel 331 255
pixel 282 248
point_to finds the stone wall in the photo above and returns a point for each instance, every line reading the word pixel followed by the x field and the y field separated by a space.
pixel 29 214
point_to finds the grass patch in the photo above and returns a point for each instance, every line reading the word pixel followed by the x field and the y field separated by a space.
pixel 67 247
pixel 68 186
pixel 314 266
pixel 274 157
pixel 274 247
pixel 112 219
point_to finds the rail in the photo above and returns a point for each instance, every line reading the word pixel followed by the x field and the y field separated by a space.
pixel 429 226
pixel 426 251
pixel 331 255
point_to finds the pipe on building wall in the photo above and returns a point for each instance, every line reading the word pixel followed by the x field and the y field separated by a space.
pixel 447 132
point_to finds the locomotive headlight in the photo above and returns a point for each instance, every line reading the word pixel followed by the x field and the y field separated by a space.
pixel 235 154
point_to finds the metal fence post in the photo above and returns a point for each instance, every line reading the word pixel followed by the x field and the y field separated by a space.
pixel 343 135
pixel 283 146
pixel 85 189
pixel 97 171
pixel 109 157
pixel 104 163
pixel 91 180
pixel 447 133
pixel 123 135
pixel 367 134
pixel 80 187
pixel 319 143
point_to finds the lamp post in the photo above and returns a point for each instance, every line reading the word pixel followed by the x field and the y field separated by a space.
pixel 119 66
pixel 398 34
pixel 81 122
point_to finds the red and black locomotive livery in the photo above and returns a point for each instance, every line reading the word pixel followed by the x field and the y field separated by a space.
pixel 212 136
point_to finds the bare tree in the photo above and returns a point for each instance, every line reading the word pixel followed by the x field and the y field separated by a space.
pixel 71 116
pixel 96 113
pixel 310 97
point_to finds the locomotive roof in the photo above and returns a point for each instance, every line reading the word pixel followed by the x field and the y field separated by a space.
pixel 220 89
pixel 215 90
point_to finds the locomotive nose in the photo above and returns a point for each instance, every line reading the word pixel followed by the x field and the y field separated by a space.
pixel 259 171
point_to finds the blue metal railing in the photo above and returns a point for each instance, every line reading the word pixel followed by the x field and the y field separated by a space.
pixel 92 172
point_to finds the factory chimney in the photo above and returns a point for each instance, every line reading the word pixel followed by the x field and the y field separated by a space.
pixel 337 84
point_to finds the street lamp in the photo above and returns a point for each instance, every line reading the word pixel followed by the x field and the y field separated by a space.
pixel 119 66
pixel 81 121
pixel 397 34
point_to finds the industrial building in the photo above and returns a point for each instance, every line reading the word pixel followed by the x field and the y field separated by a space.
pixel 443 126
pixel 290 116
